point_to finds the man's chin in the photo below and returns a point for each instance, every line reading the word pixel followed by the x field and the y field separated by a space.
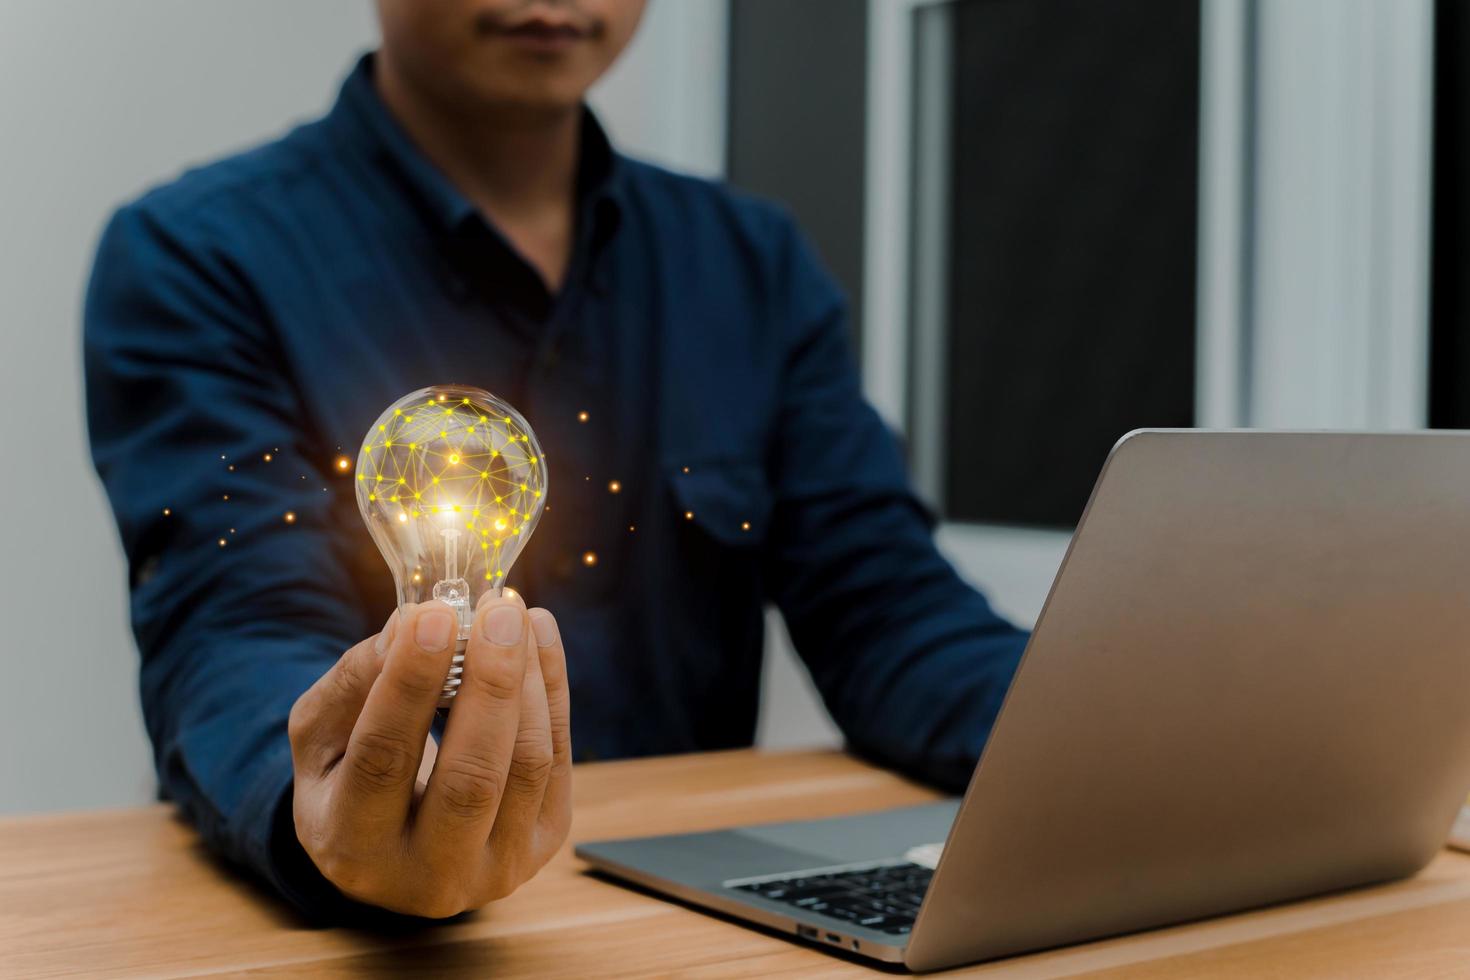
pixel 535 89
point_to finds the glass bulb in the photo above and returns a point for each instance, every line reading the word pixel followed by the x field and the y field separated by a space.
pixel 451 483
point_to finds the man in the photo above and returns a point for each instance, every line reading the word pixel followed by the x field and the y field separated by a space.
pixel 459 216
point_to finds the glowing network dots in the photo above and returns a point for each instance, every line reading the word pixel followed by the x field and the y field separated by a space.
pixel 466 478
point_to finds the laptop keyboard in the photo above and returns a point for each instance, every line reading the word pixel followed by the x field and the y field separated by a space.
pixel 885 898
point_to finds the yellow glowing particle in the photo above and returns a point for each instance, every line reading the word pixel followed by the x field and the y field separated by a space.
pixel 686 469
pixel 378 478
pixel 266 457
pixel 372 496
pixel 434 509
pixel 289 517
pixel 397 411
pixel 613 486
pixel 382 428
pixel 402 518
pixel 454 458
pixel 414 445
pixel 589 558
pixel 417 577
pixel 632 527
pixel 443 433
pixel 343 464
pixel 745 525
pixel 581 417
pixel 167 511
pixel 500 524
pixel 464 401
pixel 225 497
pixel 441 398
pixel 689 515
pixel 400 481
pixel 436 479
pixel 221 542
pixel 488 576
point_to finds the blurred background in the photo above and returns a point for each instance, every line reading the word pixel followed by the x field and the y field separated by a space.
pixel 1057 220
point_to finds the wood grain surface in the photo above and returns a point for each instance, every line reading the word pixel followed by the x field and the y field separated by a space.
pixel 131 893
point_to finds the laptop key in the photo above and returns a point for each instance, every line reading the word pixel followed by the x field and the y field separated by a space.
pixel 884 898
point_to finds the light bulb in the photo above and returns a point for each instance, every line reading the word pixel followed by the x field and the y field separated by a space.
pixel 451 483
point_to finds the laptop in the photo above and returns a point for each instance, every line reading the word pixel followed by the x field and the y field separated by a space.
pixel 1250 683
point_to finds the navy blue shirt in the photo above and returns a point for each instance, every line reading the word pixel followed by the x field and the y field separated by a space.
pixel 245 325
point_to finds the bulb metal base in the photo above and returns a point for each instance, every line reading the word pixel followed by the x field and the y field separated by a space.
pixel 455 675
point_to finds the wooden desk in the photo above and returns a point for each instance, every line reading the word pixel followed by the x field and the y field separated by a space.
pixel 131 893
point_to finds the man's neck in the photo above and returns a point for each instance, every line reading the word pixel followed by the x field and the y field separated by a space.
pixel 518 168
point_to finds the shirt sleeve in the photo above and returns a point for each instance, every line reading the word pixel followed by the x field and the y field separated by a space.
pixel 911 661
pixel 240 595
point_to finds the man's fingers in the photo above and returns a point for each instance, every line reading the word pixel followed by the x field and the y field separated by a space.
pixel 513 839
pixel 377 772
pixel 321 720
pixel 470 777
pixel 556 808
pixel 505 593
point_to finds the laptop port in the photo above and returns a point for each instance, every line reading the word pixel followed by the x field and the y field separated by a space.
pixel 806 932
pixel 832 937
pixel 856 944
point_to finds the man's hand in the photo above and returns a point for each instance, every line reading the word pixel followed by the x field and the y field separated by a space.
pixel 497 804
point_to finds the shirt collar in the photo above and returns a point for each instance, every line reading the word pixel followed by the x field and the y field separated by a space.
pixel 361 115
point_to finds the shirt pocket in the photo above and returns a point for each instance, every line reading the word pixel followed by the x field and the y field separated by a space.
pixel 727 501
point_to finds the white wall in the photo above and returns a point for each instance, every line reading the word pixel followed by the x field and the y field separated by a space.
pixel 97 102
